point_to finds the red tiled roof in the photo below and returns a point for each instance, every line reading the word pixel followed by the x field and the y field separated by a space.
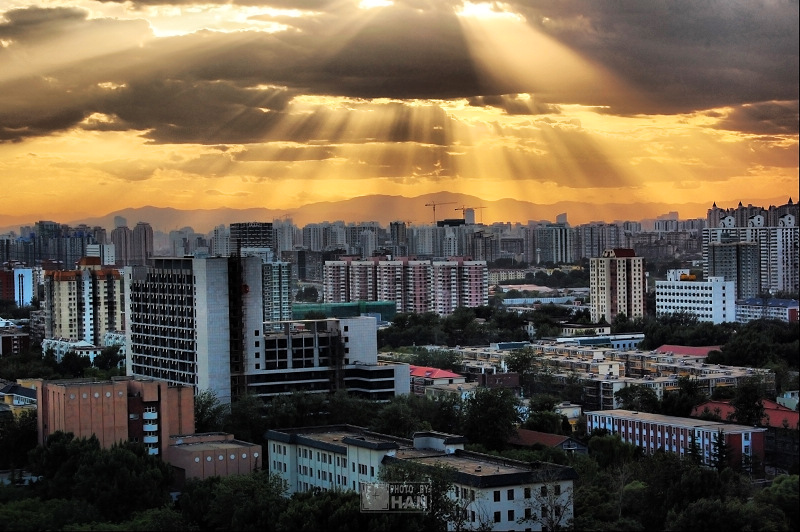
pixel 774 413
pixel 530 437
pixel 433 373
pixel 694 351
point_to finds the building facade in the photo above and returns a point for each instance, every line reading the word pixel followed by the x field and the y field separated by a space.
pixel 679 435
pixel 496 494
pixel 713 300
pixel 617 285
pixel 122 409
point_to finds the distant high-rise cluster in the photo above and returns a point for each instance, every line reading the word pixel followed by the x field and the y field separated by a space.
pixel 414 285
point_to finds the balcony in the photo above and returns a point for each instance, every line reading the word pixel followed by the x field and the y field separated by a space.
pixel 150 427
pixel 150 439
pixel 150 415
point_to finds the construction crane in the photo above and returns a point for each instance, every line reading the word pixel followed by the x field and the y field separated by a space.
pixel 464 208
pixel 434 204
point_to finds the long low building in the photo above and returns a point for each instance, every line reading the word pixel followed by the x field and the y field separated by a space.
pixel 496 493
pixel 674 434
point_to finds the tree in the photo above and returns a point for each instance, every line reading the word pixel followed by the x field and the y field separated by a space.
pixel 783 494
pixel 748 408
pixel 108 359
pixel 551 501
pixel 247 420
pixel 18 436
pixel 209 414
pixel 721 452
pixel 639 398
pixel 491 417
pixel 247 502
pixel 73 364
pixel 443 508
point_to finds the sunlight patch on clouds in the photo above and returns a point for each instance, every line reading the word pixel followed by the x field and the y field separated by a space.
pixel 488 10
pixel 171 21
pixel 371 4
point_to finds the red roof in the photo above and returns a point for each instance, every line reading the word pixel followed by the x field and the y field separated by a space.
pixel 624 252
pixel 693 351
pixel 774 413
pixel 530 437
pixel 432 373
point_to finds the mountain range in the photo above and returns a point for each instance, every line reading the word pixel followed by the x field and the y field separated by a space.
pixel 384 209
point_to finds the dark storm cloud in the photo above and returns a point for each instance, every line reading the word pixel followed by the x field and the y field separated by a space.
pixel 683 55
pixel 768 118
pixel 209 87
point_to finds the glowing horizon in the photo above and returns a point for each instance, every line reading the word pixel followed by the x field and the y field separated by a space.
pixel 110 105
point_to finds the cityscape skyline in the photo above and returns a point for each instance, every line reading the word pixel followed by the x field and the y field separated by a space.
pixel 276 105
pixel 411 211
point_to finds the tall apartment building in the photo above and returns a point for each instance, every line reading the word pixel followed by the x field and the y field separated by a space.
pixel 554 243
pixel 220 241
pixel 194 321
pixel 141 243
pixel 276 285
pixel 712 300
pixel 83 304
pixel 738 262
pixel 251 235
pixel 496 494
pixel 122 239
pixel 617 284
pixel 201 322
pixel 776 234
pixel 592 239
pixel 415 286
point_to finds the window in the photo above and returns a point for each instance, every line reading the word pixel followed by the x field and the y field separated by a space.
pixel 511 515
pixel 528 514
pixel 527 493
pixel 497 496
pixel 497 517
pixel 543 491
pixel 558 489
pixel 510 495
pixel 371 471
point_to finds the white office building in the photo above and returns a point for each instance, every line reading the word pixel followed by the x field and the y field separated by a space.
pixel 713 300
pixel 495 493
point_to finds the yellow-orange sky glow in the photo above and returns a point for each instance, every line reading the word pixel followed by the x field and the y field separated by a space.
pixel 279 103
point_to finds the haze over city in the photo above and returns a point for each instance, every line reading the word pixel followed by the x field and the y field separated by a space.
pixel 614 107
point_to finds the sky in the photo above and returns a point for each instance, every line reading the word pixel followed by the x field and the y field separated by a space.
pixel 280 103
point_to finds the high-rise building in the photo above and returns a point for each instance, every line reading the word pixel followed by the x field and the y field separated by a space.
pixel 738 262
pixel 122 238
pixel 778 248
pixel 141 243
pixel 555 244
pixel 220 242
pixel 201 322
pixel 617 285
pixel 251 235
pixel 83 304
pixel 414 286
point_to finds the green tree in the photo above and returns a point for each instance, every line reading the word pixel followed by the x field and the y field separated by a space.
pixel 108 477
pixel 639 398
pixel 73 365
pixel 783 493
pixel 748 407
pixel 247 502
pixel 491 417
pixel 247 420
pixel 209 414
pixel 712 514
pixel 108 359
pixel 18 436
pixel 721 452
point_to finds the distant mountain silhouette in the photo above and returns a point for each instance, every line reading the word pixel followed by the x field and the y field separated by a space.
pixel 384 209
